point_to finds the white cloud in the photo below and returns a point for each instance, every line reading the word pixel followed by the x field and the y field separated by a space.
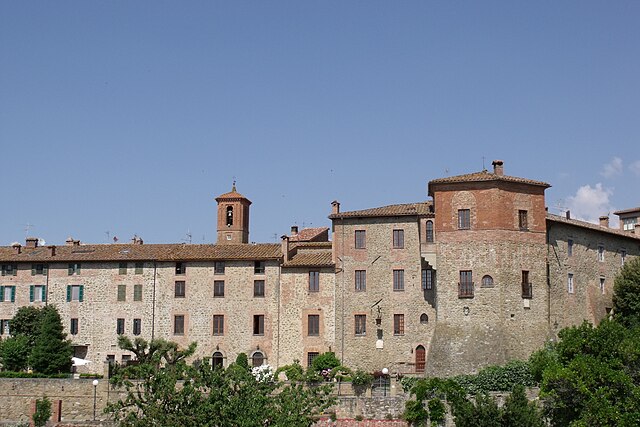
pixel 590 202
pixel 613 168
pixel 635 167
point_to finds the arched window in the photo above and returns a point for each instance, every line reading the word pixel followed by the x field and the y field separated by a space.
pixel 487 281
pixel 429 231
pixel 424 319
pixel 257 359
pixel 229 216
pixel 217 360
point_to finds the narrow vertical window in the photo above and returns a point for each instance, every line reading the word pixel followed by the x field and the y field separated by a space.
pixel 429 231
pixel 178 324
pixel 398 239
pixel 181 268
pixel 229 216
pixel 601 253
pixel 428 276
pixel 361 280
pixel 398 280
pixel 258 267
pixel 137 326
pixel 258 324
pixel 314 281
pixel 258 288
pixel 623 256
pixel 73 328
pixel 465 286
pixel 527 289
pixel 523 221
pixel 361 239
pixel 360 324
pixel 122 268
pixel 398 324
pixel 218 324
pixel 570 283
pixel 218 288
pixel 313 325
pixel 570 247
pixel 137 292
pixel 602 288
pixel 464 219
pixel 218 267
pixel 122 292
pixel 120 326
pixel 139 267
pixel 180 289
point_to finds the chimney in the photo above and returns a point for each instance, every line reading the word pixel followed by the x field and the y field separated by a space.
pixel 17 247
pixel 498 167
pixel 604 221
pixel 294 230
pixel 52 250
pixel 69 241
pixel 135 240
pixel 285 247
pixel 335 207
pixel 32 242
pixel 568 214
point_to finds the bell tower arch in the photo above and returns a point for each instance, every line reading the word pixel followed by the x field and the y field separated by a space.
pixel 233 218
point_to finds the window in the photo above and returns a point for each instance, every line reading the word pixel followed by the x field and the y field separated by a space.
pixel 122 292
pixel 75 293
pixel 218 267
pixel 424 319
pixel 8 293
pixel 120 326
pixel 139 267
pixel 527 288
pixel 629 224
pixel 428 276
pixel 122 268
pixel 9 269
pixel 601 253
pixel 314 281
pixel 311 356
pixel 217 360
pixel 218 288
pixel 398 280
pixel 361 324
pixel 258 324
pixel 258 288
pixel 39 269
pixel 74 326
pixel 623 256
pixel 361 280
pixel 464 219
pixel 257 359
pixel 523 222
pixel 429 231
pixel 361 239
pixel 398 324
pixel 181 268
pixel 4 327
pixel 398 239
pixel 73 269
pixel 602 289
pixel 180 289
pixel 137 292
pixel 570 283
pixel 37 293
pixel 570 247
pixel 258 267
pixel 313 325
pixel 126 358
pixel 137 326
pixel 218 324
pixel 465 287
pixel 178 324
pixel 487 281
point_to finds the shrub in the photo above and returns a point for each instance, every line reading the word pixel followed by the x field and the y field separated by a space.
pixel 361 379
pixel 42 413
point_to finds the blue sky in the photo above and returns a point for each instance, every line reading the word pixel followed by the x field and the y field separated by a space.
pixel 130 117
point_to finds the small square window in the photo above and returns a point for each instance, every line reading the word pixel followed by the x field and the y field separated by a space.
pixel 9 269
pixel 258 288
pixel 361 239
pixel 139 267
pixel 314 281
pixel 311 356
pixel 38 269
pixel 258 267
pixel 218 267
pixel 73 269
pixel 75 293
pixel 122 268
pixel 180 289
pixel 181 268
pixel 218 288
pixel 38 293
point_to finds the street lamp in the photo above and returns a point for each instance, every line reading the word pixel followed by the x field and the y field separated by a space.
pixel 385 373
pixel 95 390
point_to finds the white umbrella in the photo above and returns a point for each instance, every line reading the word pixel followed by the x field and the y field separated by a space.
pixel 79 362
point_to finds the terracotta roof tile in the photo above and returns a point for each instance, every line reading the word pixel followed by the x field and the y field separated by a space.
pixel 626 211
pixel 591 226
pixel 144 252
pixel 486 176
pixel 408 209
pixel 311 259
pixel 309 234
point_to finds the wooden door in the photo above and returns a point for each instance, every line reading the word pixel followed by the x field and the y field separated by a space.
pixel 420 358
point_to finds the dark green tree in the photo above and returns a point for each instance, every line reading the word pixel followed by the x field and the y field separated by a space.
pixel 626 294
pixel 14 353
pixel 519 412
pixel 26 322
pixel 51 352
pixel 42 413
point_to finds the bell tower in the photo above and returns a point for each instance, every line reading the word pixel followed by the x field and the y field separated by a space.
pixel 233 218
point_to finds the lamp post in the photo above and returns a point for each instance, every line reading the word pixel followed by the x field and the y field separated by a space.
pixel 385 373
pixel 95 390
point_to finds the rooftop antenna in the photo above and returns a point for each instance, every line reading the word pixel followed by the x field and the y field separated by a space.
pixel 275 237
pixel 27 227
pixel 108 235
pixel 188 237
pixel 483 168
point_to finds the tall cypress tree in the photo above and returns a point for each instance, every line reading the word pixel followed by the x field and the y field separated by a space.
pixel 52 351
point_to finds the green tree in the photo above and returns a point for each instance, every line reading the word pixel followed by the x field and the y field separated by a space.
pixel 51 352
pixel 626 294
pixel 42 413
pixel 519 412
pixel 14 353
pixel 26 322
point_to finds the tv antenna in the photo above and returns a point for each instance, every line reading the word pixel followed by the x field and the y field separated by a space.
pixel 188 237
pixel 27 228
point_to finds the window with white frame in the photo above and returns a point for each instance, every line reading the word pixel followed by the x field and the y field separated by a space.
pixel 570 288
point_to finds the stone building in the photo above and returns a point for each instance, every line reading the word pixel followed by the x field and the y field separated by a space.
pixel 478 274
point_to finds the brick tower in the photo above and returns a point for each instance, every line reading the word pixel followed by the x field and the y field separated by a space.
pixel 233 218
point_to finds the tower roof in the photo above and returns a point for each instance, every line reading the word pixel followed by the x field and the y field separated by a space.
pixel 232 195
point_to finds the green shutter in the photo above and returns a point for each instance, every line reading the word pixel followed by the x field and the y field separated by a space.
pixel 31 293
pixel 44 294
pixel 81 293
pixel 68 293
pixel 13 294
pixel 1 293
